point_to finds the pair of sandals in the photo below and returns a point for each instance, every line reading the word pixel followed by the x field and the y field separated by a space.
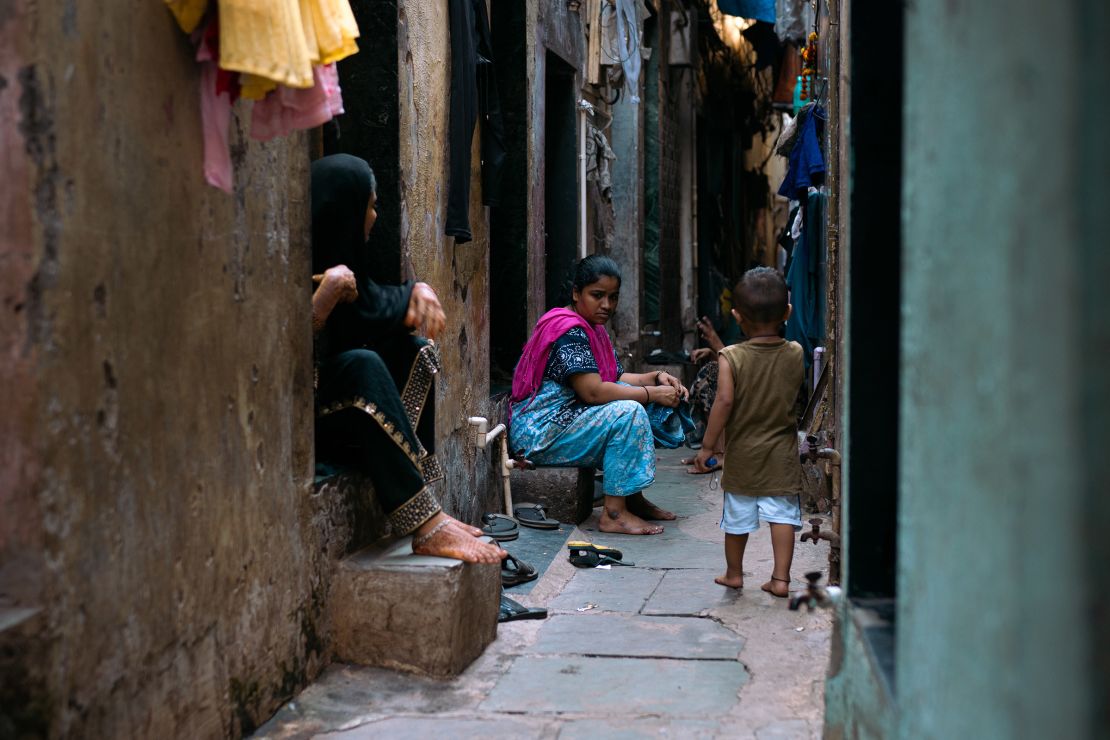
pixel 589 555
pixel 514 572
pixel 507 528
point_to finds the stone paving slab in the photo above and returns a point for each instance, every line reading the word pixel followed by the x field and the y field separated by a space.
pixel 672 549
pixel 455 728
pixel 680 729
pixel 619 589
pixel 690 592
pixel 638 686
pixel 688 638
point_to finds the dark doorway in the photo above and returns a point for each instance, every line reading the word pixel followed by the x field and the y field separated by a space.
pixel 370 127
pixel 509 219
pixel 560 179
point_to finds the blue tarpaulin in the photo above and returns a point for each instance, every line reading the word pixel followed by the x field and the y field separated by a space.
pixel 760 10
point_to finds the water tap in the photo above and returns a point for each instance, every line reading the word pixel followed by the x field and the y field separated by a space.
pixel 815 534
pixel 815 596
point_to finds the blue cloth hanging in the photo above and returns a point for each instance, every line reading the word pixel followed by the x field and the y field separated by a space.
pixel 760 10
pixel 806 279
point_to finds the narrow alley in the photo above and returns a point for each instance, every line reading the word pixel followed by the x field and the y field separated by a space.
pixel 438 368
pixel 654 650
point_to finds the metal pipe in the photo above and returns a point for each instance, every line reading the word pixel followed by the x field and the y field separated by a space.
pixel 584 108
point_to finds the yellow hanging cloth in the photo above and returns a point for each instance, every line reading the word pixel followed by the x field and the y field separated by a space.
pixel 265 38
pixel 334 28
pixel 187 12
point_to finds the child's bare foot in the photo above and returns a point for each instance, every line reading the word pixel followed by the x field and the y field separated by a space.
pixel 777 587
pixel 440 536
pixel 615 521
pixel 644 509
pixel 730 581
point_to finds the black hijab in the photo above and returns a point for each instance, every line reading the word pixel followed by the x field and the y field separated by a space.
pixel 341 190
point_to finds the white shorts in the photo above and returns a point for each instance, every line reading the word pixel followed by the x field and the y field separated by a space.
pixel 742 514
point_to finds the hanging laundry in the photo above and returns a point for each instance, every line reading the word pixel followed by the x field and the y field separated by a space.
pixel 330 30
pixel 792 18
pixel 806 278
pixel 760 10
pixel 473 88
pixel 598 155
pixel 622 39
pixel 807 165
pixel 289 109
pixel 188 13
pixel 215 110
pixel 265 38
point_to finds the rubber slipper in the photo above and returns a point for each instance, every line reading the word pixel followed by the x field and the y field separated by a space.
pixel 500 527
pixel 515 572
pixel 511 611
pixel 576 545
pixel 592 560
pixel 533 515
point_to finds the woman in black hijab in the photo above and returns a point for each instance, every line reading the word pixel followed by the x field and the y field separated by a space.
pixel 374 405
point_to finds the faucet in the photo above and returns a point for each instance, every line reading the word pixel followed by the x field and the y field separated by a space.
pixel 815 596
pixel 815 534
pixel 484 435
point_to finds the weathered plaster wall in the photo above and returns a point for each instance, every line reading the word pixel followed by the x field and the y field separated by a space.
pixel 458 272
pixel 1002 338
pixel 157 353
pixel 628 193
pixel 550 27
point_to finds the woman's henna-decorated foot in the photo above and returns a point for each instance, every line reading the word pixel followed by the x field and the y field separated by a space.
pixel 463 526
pixel 644 509
pixel 730 581
pixel 777 587
pixel 616 521
pixel 441 537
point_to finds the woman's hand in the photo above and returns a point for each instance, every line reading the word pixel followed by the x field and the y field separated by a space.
pixel 341 283
pixel 662 378
pixel 710 334
pixel 701 354
pixel 664 395
pixel 425 314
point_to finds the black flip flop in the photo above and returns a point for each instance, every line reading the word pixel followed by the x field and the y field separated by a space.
pixel 515 572
pixel 533 515
pixel 511 611
pixel 500 527
pixel 592 560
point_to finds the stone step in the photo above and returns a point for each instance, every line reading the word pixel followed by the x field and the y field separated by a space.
pixel 393 609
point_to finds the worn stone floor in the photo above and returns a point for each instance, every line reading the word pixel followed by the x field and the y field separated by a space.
pixel 662 652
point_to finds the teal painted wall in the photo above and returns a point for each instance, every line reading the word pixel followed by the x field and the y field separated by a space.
pixel 994 627
pixel 1002 607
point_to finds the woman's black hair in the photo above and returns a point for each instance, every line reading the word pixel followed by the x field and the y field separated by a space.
pixel 593 268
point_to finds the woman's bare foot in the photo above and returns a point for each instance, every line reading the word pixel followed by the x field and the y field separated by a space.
pixel 463 526
pixel 731 581
pixel 644 509
pixel 777 587
pixel 440 536
pixel 617 521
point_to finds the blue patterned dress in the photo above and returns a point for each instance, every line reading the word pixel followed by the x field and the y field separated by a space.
pixel 555 428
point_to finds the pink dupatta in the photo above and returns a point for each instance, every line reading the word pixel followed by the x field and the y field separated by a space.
pixel 528 376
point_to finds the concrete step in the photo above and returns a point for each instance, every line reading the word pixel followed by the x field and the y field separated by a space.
pixel 393 609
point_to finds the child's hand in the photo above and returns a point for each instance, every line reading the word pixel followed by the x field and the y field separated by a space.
pixel 701 460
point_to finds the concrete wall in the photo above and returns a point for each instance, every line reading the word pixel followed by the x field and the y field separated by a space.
pixel 550 27
pixel 459 273
pixel 157 357
pixel 1002 588
pixel 996 576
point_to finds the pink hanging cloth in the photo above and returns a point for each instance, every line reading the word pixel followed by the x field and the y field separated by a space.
pixel 288 109
pixel 215 109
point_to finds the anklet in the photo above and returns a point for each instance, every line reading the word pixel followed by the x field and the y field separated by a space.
pixel 780 580
pixel 421 540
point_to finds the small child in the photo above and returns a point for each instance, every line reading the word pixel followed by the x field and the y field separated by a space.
pixel 758 382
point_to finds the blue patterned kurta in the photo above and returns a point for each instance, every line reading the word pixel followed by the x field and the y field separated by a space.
pixel 555 428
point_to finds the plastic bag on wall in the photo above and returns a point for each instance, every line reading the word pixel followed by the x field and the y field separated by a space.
pixel 792 17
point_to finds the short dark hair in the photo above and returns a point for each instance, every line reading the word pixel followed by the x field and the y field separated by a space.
pixel 592 268
pixel 761 295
